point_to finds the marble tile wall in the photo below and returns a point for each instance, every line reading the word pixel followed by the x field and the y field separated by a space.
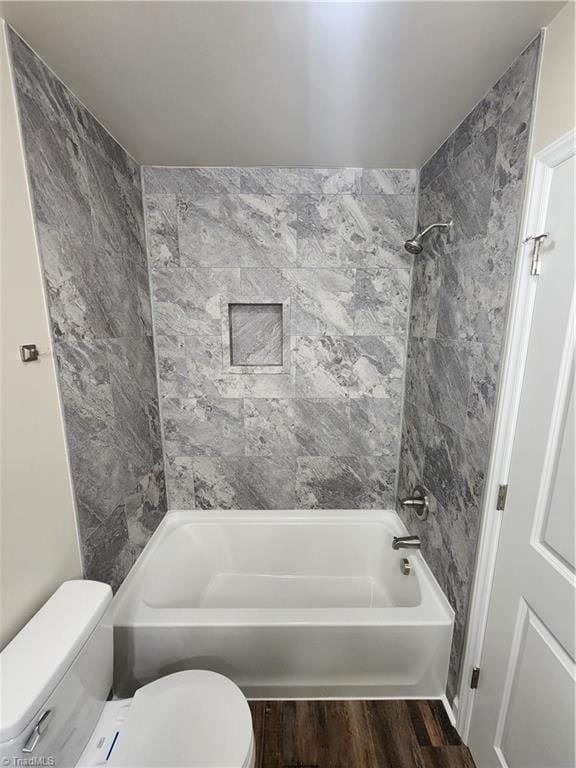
pixel 87 203
pixel 325 430
pixel 460 292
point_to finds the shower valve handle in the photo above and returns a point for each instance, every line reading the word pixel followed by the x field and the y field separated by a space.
pixel 418 501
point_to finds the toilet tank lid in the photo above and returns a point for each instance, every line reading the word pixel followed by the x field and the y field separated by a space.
pixel 33 663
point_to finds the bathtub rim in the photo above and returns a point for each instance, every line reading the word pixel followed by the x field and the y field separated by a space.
pixel 433 610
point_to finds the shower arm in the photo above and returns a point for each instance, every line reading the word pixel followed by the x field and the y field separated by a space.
pixel 445 225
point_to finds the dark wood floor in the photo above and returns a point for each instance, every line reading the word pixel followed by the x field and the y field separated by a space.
pixel 356 734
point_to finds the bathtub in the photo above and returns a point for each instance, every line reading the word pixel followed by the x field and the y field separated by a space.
pixel 288 604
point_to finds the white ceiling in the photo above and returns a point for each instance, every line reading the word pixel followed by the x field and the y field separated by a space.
pixel 279 83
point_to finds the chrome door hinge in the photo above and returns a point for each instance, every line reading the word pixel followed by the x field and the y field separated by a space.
pixel 537 242
pixel 475 677
pixel 501 500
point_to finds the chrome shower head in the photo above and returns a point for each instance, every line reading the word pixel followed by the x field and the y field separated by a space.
pixel 414 245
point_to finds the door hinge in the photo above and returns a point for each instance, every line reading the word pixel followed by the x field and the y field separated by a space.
pixel 475 677
pixel 501 500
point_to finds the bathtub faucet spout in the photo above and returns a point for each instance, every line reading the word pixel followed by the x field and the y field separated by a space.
pixel 406 542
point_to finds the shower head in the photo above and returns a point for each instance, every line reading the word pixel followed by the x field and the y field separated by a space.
pixel 414 245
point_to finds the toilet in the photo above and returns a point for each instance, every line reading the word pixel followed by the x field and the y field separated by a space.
pixel 55 681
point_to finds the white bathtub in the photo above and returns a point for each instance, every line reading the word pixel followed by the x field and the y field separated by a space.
pixel 288 604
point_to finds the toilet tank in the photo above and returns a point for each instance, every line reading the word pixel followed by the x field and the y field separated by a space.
pixel 55 677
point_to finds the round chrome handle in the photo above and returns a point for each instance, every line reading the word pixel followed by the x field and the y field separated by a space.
pixel 418 501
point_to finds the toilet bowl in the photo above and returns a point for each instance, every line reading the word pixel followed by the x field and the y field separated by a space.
pixel 55 679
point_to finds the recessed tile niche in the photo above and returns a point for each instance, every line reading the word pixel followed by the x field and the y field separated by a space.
pixel 255 335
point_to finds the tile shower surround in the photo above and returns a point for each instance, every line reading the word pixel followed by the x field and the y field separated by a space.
pixel 325 430
pixel 460 291
pixel 87 206
pixel 326 433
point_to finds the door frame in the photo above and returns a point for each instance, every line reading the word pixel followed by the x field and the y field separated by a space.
pixel 511 378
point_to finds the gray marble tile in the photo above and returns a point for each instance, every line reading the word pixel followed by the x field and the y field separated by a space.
pixel 237 230
pixel 450 531
pixel 204 427
pixel 144 308
pixel 484 115
pixel 55 103
pixel 100 477
pixel 321 300
pixel 162 229
pixel 88 210
pixel 277 424
pixel 509 179
pixel 416 428
pixel 375 427
pixel 520 76
pixel 59 179
pixel 463 193
pixel 438 163
pixel 297 427
pixel 87 518
pixel 246 482
pixel 436 204
pixel 462 289
pixel 100 140
pixel 85 389
pixel 354 230
pixel 388 181
pixel 192 366
pixel 92 291
pixel 354 482
pixel 134 358
pixel 425 291
pixel 179 482
pixel 261 282
pixel 155 427
pixel 472 177
pixel 131 365
pixel 472 304
pixel 258 180
pixel 162 180
pixel 173 376
pixel 145 506
pixel 116 205
pixel 481 406
pixel 188 301
pixel 381 297
pixel 264 385
pixel 49 99
pixel 454 470
pixel 332 366
pixel 286 181
pixel 322 366
pixel 256 334
pixel 438 379
pixel 108 554
pixel 416 388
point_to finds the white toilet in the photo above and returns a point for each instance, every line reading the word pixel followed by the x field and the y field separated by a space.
pixel 56 675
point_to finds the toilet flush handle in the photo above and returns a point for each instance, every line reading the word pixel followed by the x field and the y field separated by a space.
pixel 37 731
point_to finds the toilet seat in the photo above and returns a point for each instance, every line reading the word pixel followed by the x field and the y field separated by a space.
pixel 195 718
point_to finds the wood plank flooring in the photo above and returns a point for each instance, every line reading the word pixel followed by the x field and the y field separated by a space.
pixel 356 734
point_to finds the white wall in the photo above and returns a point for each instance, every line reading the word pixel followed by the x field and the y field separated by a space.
pixel 555 102
pixel 38 537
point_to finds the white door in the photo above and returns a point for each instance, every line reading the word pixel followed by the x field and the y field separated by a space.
pixel 523 713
